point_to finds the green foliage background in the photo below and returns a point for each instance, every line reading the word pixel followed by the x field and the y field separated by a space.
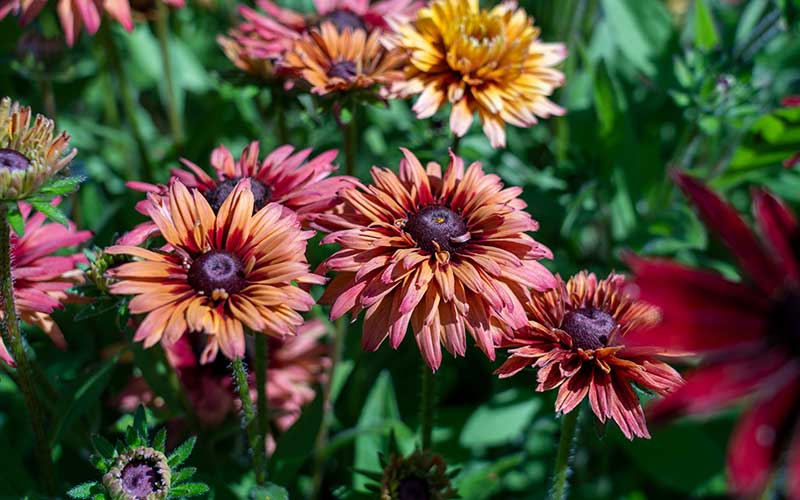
pixel 652 85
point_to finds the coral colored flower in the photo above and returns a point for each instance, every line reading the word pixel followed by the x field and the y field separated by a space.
pixel 265 37
pixel 443 252
pixel 219 274
pixel 295 367
pixel 77 14
pixel 334 61
pixel 746 333
pixel 41 279
pixel 576 341
pixel 29 155
pixel 283 177
pixel 486 61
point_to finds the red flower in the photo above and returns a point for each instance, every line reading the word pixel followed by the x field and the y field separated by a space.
pixel 747 333
pixel 40 278
pixel 283 177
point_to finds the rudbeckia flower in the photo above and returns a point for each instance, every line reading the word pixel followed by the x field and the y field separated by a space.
pixel 442 252
pixel 219 274
pixel 41 279
pixel 576 341
pixel 744 332
pixel 490 62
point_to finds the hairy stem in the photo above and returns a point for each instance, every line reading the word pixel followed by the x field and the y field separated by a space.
pixel 427 406
pixel 350 139
pixel 256 441
pixel 566 447
pixel 262 403
pixel 12 337
pixel 174 116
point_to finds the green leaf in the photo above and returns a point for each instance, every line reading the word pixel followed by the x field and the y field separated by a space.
pixel 103 446
pixel 269 491
pixel 140 422
pixel 500 421
pixel 16 222
pixel 82 490
pixel 380 408
pixel 705 33
pixel 481 481
pixel 183 475
pixel 604 99
pixel 182 452
pixel 49 210
pixel 82 399
pixel 747 22
pixel 159 443
pixel 62 186
pixel 641 31
pixel 188 490
pixel 133 439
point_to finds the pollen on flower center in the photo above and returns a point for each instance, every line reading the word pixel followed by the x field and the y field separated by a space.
pixel 342 69
pixel 217 270
pixel 589 328
pixel 413 488
pixel 140 478
pixel 13 160
pixel 343 19
pixel 261 193
pixel 437 225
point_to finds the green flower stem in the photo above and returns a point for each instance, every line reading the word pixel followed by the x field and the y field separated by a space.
pixel 455 144
pixel 174 116
pixel 350 139
pixel 262 404
pixel 13 340
pixel 256 441
pixel 337 348
pixel 566 447
pixel 114 61
pixel 427 406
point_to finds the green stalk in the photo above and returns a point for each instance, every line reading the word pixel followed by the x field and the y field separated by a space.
pixel 12 337
pixel 350 139
pixel 566 447
pixel 427 406
pixel 256 441
pixel 174 116
pixel 114 61
pixel 262 403
pixel 337 348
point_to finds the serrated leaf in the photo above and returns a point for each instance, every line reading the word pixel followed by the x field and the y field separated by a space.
pixel 183 475
pixel 50 211
pixel 98 462
pixel 103 446
pixel 132 438
pixel 188 490
pixel 182 452
pixel 160 441
pixel 65 185
pixel 82 490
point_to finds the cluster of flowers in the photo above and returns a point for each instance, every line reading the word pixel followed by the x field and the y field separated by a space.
pixel 442 250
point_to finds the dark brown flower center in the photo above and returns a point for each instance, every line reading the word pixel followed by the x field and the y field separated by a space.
pixel 343 19
pixel 217 196
pixel 413 488
pixel 343 69
pixel 589 328
pixel 140 478
pixel 217 270
pixel 13 160
pixel 438 224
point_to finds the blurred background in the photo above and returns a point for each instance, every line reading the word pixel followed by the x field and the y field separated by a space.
pixel 652 85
